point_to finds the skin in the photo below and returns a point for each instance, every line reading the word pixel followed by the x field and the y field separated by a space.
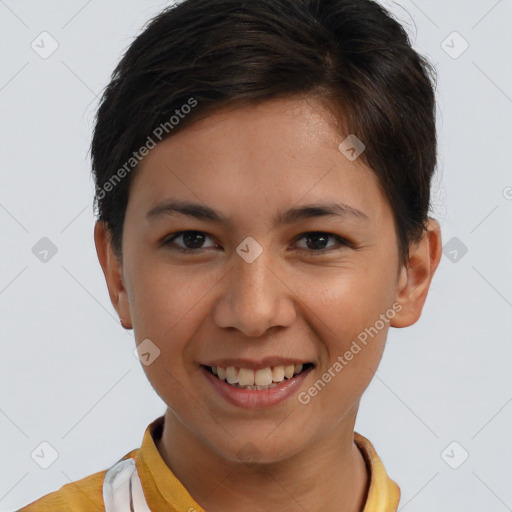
pixel 251 164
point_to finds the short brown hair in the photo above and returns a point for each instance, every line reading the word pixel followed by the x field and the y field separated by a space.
pixel 351 53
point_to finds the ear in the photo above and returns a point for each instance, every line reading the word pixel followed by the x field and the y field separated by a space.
pixel 414 280
pixel 112 269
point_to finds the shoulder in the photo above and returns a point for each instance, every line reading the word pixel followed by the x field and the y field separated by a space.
pixel 85 495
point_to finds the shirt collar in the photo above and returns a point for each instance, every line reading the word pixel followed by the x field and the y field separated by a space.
pixel 156 476
pixel 383 493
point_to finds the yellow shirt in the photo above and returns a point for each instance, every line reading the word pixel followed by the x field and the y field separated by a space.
pixel 165 493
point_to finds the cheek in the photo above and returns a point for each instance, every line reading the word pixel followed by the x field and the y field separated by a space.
pixel 169 306
pixel 349 307
pixel 349 301
pixel 166 310
pixel 162 297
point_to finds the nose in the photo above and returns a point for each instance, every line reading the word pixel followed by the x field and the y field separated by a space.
pixel 255 297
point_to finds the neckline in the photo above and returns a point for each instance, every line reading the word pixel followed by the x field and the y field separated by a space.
pixel 382 493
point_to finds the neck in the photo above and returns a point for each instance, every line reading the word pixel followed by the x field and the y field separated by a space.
pixel 331 471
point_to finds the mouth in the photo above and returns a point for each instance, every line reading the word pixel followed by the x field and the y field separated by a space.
pixel 260 379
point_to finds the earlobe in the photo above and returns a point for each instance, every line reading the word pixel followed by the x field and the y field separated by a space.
pixel 414 280
pixel 112 270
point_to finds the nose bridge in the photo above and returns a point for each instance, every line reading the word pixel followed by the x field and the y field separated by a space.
pixel 254 277
pixel 253 282
pixel 254 298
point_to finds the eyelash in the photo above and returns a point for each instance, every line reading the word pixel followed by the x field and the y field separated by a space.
pixel 342 242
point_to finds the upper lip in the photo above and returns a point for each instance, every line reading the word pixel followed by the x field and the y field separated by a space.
pixel 255 365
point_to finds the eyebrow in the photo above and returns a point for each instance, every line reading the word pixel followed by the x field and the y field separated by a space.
pixel 202 212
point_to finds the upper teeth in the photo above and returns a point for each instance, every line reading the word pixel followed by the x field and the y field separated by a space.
pixel 261 377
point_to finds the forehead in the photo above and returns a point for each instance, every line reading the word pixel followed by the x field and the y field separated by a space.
pixel 258 159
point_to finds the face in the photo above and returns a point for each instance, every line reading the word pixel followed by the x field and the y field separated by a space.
pixel 250 278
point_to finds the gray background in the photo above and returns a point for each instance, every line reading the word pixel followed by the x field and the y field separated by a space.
pixel 68 373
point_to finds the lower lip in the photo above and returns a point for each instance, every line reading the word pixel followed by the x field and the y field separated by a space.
pixel 253 398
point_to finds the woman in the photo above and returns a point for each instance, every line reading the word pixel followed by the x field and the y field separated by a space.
pixel 263 177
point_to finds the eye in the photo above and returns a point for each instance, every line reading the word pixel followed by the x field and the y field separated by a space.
pixel 192 240
pixel 316 241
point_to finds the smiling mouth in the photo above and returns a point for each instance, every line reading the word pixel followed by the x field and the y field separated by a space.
pixel 261 379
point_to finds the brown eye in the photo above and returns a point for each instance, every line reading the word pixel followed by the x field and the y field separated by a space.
pixel 192 241
pixel 317 241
